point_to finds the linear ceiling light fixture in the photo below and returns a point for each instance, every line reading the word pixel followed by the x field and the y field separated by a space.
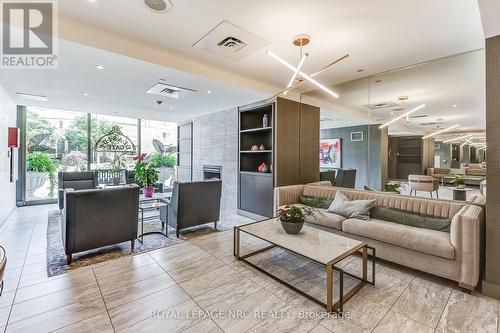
pixel 301 73
pixel 32 97
pixel 441 131
pixel 299 67
pixel 402 116
pixel 458 139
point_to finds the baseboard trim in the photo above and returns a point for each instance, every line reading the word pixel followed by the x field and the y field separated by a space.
pixel 491 289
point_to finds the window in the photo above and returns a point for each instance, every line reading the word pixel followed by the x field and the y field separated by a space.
pixel 55 141
pixel 158 141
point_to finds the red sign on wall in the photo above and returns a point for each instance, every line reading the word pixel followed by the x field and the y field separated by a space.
pixel 13 137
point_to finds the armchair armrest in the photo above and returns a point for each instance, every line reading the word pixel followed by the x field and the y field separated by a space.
pixel 287 195
pixel 465 234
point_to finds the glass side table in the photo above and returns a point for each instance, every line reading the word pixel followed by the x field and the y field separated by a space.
pixel 148 205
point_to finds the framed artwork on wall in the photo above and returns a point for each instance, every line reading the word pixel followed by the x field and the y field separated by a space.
pixel 330 153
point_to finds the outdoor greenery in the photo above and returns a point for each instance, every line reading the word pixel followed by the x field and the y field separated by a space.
pixel 294 214
pixel 145 173
pixel 77 133
pixel 157 160
pixel 41 162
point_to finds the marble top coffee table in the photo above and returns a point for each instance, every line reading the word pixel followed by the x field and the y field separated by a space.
pixel 321 246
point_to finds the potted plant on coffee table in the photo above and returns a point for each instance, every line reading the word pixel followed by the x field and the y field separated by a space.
pixel 145 175
pixel 458 181
pixel 292 217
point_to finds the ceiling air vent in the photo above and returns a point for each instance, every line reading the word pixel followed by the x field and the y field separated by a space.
pixel 171 91
pixel 229 41
pixel 231 44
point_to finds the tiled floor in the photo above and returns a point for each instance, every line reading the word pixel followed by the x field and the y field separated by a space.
pixel 197 286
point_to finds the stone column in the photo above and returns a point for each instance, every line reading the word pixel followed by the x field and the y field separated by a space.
pixel 491 282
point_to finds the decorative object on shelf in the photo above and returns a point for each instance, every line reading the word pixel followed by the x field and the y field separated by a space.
pixel 292 218
pixel 458 181
pixel 262 147
pixel 145 175
pixel 254 148
pixel 330 153
pixel 263 168
pixel 265 121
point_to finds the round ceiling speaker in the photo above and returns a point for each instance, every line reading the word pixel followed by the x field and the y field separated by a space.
pixel 157 6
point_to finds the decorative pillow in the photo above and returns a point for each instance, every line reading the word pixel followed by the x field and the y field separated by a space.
pixel 359 209
pixel 411 219
pixel 315 202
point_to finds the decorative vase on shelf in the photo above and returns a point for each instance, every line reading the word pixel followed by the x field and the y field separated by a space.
pixel 265 121
pixel 261 147
pixel 254 148
pixel 148 191
pixel 263 168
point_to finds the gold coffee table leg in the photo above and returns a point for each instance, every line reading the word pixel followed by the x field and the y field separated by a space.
pixel 365 263
pixel 329 287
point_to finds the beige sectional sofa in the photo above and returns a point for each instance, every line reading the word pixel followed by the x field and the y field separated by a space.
pixel 454 255
pixel 471 176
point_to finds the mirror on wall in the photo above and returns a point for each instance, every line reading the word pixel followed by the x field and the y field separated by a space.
pixel 406 121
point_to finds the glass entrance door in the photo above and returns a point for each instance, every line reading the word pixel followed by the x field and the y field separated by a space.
pixel 55 141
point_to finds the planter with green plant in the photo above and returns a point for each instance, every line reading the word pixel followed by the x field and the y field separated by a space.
pixel 292 217
pixel 164 160
pixel 458 181
pixel 394 188
pixel 145 175
pixel 117 169
pixel 40 167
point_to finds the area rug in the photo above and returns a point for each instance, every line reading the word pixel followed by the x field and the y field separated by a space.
pixel 56 257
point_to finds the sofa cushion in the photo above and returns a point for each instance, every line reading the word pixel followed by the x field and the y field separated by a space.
pixel 78 185
pixel 441 171
pixel 316 202
pixel 432 242
pixel 341 205
pixel 410 218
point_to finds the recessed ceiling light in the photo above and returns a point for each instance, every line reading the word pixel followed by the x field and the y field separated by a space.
pixel 32 97
pixel 170 107
pixel 454 105
pixel 209 92
pixel 157 6
pixel 85 94
pixel 99 67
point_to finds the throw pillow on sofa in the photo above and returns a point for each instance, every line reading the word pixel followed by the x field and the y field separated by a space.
pixel 411 219
pixel 315 202
pixel 360 209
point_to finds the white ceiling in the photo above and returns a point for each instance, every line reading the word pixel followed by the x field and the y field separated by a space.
pixel 120 88
pixel 489 17
pixel 379 35
pixel 441 85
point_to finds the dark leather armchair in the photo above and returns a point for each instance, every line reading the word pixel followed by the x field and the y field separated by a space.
pixel 193 204
pixel 346 178
pixel 85 180
pixel 99 217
